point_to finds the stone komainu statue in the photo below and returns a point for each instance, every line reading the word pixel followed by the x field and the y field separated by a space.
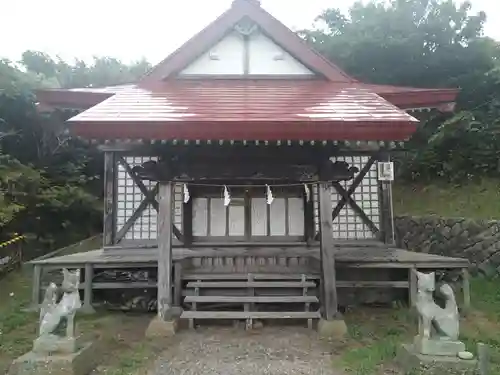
pixel 52 313
pixel 444 320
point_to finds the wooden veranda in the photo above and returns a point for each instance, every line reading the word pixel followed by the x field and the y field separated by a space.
pixel 263 264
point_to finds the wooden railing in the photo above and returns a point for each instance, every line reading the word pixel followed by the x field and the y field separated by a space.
pixel 11 255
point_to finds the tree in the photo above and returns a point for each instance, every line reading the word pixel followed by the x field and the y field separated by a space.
pixel 103 71
pixel 50 184
pixel 425 43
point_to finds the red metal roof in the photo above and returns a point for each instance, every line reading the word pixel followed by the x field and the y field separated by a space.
pixel 246 110
pixel 402 97
pixel 163 107
pixel 413 97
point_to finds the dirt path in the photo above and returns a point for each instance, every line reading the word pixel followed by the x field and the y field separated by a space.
pixel 225 351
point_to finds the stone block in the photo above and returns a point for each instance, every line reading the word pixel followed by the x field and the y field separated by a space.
pixel 438 347
pixel 161 328
pixel 53 344
pixel 487 269
pixel 81 362
pixel 332 329
pixel 456 229
pixel 413 363
pixel 87 310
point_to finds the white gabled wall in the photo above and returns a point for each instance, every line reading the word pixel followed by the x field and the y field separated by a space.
pixel 267 58
pixel 228 58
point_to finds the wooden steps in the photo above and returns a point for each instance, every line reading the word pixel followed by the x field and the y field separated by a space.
pixel 251 284
pixel 244 276
pixel 250 296
pixel 237 315
pixel 253 299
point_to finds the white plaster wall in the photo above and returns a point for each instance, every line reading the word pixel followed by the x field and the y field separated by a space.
pixel 228 58
pixel 267 58
pixel 230 52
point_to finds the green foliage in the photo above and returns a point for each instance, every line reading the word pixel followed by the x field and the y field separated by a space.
pixel 103 71
pixel 16 181
pixel 51 184
pixel 474 200
pixel 426 43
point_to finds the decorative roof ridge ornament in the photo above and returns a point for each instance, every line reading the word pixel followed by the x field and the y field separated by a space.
pixel 246 26
pixel 253 2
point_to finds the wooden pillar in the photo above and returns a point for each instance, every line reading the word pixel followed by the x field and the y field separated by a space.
pixel 87 307
pixel 309 216
pixel 412 287
pixel 178 284
pixel 110 187
pixel 187 222
pixel 386 215
pixel 36 288
pixel 466 290
pixel 328 278
pixel 165 208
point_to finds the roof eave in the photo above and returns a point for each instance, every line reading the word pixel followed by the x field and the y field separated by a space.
pixel 431 98
pixel 370 130
pixel 60 98
pixel 402 97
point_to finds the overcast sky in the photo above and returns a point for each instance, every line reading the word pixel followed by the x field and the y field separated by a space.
pixel 133 29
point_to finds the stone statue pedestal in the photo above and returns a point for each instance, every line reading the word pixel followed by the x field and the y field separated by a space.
pixel 52 344
pixel 54 355
pixel 437 347
pixel 415 363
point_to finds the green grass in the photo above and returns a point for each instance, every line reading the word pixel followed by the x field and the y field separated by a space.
pixel 120 337
pixel 15 325
pixel 473 200
pixel 374 334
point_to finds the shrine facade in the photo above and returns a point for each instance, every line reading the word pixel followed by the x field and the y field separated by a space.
pixel 243 170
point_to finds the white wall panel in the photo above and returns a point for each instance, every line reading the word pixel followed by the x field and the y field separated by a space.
pixel 295 216
pixel 200 217
pixel 236 220
pixel 348 225
pixel 277 217
pixel 218 218
pixel 259 216
pixel 129 197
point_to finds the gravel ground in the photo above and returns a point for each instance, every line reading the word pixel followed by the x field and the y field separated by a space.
pixel 226 351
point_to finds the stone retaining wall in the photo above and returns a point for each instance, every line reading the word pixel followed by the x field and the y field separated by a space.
pixel 476 240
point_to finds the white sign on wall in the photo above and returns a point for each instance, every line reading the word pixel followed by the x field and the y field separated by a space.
pixel 386 171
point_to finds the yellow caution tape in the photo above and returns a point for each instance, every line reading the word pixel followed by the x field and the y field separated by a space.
pixel 11 241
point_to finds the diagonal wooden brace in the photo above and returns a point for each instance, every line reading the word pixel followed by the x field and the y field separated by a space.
pixel 347 196
pixel 137 213
pixel 358 210
pixel 150 198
